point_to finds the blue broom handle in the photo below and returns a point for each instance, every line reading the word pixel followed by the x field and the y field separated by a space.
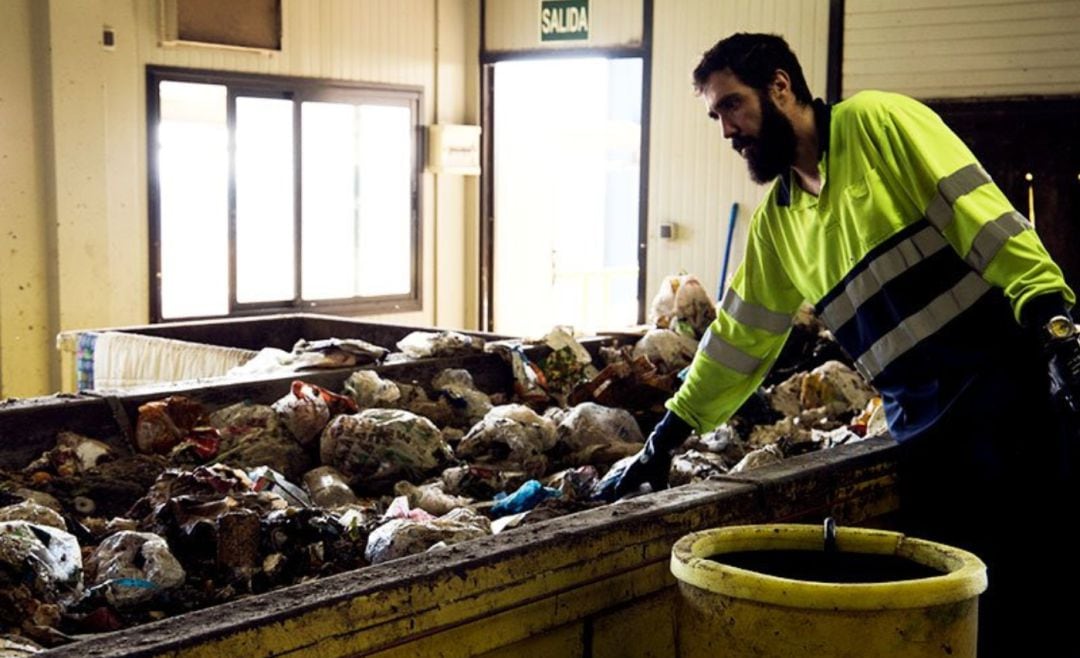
pixel 727 249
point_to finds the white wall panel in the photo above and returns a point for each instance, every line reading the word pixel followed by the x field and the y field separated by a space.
pixel 962 48
pixel 515 25
pixel 694 174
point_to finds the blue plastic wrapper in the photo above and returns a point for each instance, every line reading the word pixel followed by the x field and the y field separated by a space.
pixel 528 496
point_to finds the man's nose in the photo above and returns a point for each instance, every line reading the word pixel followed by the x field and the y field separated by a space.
pixel 729 128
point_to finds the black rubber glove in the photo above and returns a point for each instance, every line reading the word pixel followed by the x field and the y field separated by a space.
pixel 1064 364
pixel 1047 318
pixel 651 464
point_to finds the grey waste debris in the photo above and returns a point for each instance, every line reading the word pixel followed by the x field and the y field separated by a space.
pixel 575 483
pixel 457 385
pixel 328 488
pixel 377 447
pixel 723 441
pixel 304 416
pixel 591 433
pixel 695 466
pixel 482 482
pixel 363 514
pixel 431 497
pixel 46 559
pixel 252 435
pixel 682 304
pixel 73 454
pixel 566 366
pixel 129 568
pixel 32 512
pixel 369 390
pixel 770 454
pixel 527 375
pixel 794 434
pixel 264 478
pixel 665 349
pixel 307 408
pixel 512 436
pixel 832 385
pixel 336 353
pixel 162 424
pixel 16 646
pixel 426 344
pixel 402 537
pixel 416 400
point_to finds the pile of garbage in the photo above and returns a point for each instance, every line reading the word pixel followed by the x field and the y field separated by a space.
pixel 203 505
pixel 354 352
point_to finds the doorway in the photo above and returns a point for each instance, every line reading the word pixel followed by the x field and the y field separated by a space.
pixel 1031 148
pixel 566 173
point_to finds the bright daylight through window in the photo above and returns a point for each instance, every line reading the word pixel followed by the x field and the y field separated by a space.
pixel 277 194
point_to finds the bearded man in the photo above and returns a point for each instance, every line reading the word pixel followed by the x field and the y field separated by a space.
pixel 939 290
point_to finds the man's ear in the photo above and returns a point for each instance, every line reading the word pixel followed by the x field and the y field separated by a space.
pixel 780 88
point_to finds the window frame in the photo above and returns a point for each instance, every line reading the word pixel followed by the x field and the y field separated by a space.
pixel 299 90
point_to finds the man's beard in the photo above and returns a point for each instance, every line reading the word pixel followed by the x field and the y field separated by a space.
pixel 772 152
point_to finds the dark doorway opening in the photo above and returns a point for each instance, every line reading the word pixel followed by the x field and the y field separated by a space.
pixel 1031 148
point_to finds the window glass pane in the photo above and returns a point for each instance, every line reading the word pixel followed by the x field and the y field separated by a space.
pixel 357 200
pixel 193 187
pixel 384 259
pixel 265 235
pixel 329 200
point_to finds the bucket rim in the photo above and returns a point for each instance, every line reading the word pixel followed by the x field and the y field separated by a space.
pixel 963 573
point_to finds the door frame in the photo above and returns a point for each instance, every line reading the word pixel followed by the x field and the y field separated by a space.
pixel 488 58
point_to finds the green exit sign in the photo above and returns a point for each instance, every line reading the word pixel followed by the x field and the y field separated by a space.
pixel 564 20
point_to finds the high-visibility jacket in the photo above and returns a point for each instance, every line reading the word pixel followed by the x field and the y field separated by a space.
pixel 911 255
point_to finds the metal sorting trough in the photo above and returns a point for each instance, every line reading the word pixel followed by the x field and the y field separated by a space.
pixel 253 333
pixel 591 583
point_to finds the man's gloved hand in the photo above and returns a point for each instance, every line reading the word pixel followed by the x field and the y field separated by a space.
pixel 651 464
pixel 1062 347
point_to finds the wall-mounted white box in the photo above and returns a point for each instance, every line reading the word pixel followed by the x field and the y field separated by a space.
pixel 454 149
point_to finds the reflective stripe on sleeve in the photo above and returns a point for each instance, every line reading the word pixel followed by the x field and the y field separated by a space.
pixel 952 187
pixel 992 237
pixel 726 354
pixel 754 315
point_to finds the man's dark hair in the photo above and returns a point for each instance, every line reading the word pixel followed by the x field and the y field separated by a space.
pixel 754 59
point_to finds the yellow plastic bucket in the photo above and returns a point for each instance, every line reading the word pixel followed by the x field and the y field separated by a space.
pixel 735 611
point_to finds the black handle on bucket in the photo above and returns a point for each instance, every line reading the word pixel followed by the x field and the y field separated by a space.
pixel 830 535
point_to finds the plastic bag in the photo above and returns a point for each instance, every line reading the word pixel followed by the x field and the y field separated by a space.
pixel 528 496
pixel 511 435
pixel 425 344
pixel 131 567
pixel 377 447
pixel 401 537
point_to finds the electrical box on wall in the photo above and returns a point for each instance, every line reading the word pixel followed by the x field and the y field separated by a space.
pixel 454 149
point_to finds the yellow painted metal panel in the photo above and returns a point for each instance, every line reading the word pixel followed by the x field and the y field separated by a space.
pixel 448 215
pixel 79 153
pixel 515 25
pixel 943 49
pixel 517 624
pixel 563 641
pixel 645 629
pixel 26 327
